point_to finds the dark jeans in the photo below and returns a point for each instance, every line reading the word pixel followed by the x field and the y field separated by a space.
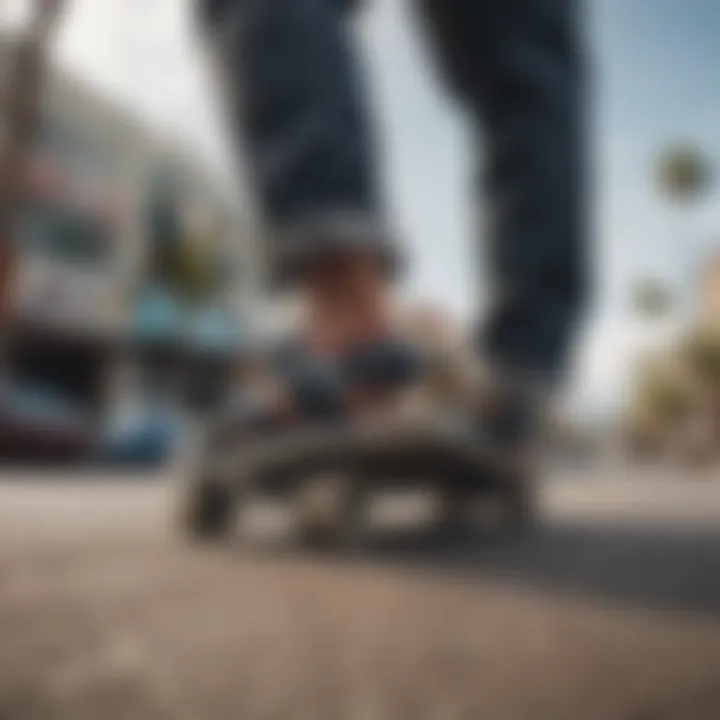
pixel 516 66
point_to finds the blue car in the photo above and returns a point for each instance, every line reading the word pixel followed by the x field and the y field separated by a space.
pixel 143 437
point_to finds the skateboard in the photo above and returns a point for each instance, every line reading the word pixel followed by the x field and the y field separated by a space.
pixel 331 473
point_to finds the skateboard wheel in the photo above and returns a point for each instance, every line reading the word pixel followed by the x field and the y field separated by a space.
pixel 207 507
pixel 455 511
pixel 519 506
pixel 330 512
pixel 208 511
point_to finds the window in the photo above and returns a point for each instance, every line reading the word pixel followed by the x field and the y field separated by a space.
pixel 78 153
pixel 59 231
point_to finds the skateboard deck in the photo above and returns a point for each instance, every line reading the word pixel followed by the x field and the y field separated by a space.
pixel 378 452
pixel 343 466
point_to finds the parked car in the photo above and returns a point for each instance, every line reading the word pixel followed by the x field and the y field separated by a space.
pixel 39 423
pixel 141 437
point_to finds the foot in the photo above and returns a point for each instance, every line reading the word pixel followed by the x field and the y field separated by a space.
pixel 353 361
pixel 510 416
pixel 506 421
pixel 347 360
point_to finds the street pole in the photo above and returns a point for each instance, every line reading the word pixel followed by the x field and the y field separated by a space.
pixel 20 111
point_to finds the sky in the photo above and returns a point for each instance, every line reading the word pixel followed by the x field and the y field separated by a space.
pixel 655 63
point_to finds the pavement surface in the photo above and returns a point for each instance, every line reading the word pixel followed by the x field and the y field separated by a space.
pixel 609 611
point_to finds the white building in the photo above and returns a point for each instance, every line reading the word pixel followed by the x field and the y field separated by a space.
pixel 85 237
pixel 84 241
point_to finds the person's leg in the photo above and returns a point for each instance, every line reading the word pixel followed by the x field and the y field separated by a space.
pixel 518 69
pixel 296 101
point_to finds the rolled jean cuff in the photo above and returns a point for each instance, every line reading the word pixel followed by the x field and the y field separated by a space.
pixel 296 246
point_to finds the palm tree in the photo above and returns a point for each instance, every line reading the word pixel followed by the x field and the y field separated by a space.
pixel 681 387
pixel 683 173
pixel 21 108
pixel 704 356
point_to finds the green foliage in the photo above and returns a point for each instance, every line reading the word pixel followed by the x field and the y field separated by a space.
pixel 683 172
pixel 704 354
pixel 665 398
pixel 198 278
pixel 665 389
pixel 190 266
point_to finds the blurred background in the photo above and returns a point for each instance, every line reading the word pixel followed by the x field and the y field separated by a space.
pixel 130 307
pixel 129 234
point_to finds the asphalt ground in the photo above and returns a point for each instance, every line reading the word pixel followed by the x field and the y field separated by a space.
pixel 610 610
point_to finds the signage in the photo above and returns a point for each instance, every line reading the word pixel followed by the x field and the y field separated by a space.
pixel 45 179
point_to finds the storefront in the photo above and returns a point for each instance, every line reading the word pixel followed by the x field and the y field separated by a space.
pixel 85 256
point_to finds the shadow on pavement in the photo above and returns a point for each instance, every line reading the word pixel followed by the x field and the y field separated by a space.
pixel 660 567
pixel 652 567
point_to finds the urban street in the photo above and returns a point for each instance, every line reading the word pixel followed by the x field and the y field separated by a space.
pixel 610 609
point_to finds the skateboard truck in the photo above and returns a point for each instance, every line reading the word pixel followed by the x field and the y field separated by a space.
pixel 344 465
